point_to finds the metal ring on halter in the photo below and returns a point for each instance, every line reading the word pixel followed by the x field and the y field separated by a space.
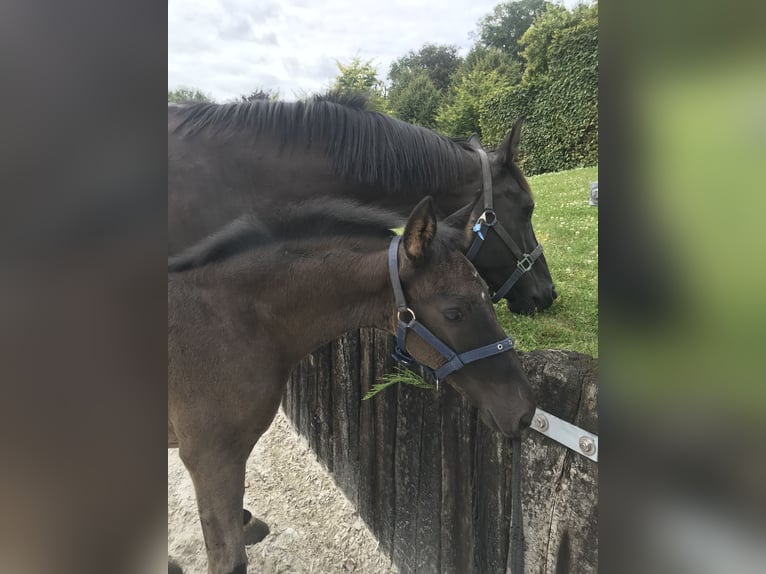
pixel 525 263
pixel 488 217
pixel 407 310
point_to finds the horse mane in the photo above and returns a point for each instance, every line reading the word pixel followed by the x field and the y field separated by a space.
pixel 365 146
pixel 284 222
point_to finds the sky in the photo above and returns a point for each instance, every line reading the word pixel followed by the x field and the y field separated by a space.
pixel 228 48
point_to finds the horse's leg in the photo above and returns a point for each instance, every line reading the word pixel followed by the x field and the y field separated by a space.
pixel 218 474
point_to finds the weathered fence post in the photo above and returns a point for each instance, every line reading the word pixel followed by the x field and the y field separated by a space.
pixel 431 480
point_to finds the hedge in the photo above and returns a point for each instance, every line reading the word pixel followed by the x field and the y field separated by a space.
pixel 560 107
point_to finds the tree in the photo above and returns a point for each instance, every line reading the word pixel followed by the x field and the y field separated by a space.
pixel 260 94
pixel 183 95
pixel 459 114
pixel 419 81
pixel 438 62
pixel 488 60
pixel 482 73
pixel 358 76
pixel 504 27
pixel 558 97
pixel 417 100
pixel 536 40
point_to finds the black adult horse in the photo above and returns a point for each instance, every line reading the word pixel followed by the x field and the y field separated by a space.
pixel 230 158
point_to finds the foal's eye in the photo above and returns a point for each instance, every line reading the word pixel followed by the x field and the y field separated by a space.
pixel 453 315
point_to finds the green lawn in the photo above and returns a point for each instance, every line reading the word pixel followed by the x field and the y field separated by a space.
pixel 568 229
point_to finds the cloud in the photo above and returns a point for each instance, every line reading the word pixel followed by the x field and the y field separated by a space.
pixel 269 38
pixel 231 47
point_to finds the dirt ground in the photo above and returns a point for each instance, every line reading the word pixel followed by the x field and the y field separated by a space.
pixel 314 528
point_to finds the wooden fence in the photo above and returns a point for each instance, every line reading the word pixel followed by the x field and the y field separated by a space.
pixel 431 480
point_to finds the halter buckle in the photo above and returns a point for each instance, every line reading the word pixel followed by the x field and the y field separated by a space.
pixel 525 263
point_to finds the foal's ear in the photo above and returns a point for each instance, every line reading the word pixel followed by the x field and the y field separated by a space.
pixel 474 140
pixel 420 229
pixel 510 146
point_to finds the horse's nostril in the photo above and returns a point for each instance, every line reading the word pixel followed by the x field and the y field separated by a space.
pixel 553 293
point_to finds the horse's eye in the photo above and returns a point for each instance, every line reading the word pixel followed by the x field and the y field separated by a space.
pixel 453 315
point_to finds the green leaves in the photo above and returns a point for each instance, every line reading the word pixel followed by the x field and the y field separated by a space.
pixel 438 62
pixel 359 76
pixel 458 116
pixel 416 100
pixel 183 95
pixel 419 81
pixel 558 93
pixel 507 23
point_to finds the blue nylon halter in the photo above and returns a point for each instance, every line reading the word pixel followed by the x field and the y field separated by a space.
pixel 454 360
pixel 488 221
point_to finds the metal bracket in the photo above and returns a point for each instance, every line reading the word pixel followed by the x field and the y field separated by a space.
pixel 571 436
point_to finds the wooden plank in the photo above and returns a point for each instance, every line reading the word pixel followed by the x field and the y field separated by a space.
pixel 311 388
pixel 368 476
pixel 346 406
pixel 409 423
pixel 298 397
pixel 323 413
pixel 457 524
pixel 427 554
pixel 287 398
pixel 575 511
pixel 493 499
pixel 384 412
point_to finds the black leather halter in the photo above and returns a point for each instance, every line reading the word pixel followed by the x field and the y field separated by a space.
pixel 406 320
pixel 488 221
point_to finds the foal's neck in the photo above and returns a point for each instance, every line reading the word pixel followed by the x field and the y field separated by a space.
pixel 307 294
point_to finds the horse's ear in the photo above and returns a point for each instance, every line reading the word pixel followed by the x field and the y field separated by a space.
pixel 462 220
pixel 420 230
pixel 510 146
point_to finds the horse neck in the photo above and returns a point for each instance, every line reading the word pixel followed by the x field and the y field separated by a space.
pixel 318 179
pixel 449 199
pixel 309 294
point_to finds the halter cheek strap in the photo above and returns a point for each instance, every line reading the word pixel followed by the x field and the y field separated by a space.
pixel 406 320
pixel 488 221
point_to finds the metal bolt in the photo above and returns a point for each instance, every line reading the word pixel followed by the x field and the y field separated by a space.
pixel 540 423
pixel 587 445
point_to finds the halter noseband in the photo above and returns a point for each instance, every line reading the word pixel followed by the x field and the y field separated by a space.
pixel 405 319
pixel 488 220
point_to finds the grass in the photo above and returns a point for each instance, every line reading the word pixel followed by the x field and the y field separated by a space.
pixel 400 375
pixel 568 229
